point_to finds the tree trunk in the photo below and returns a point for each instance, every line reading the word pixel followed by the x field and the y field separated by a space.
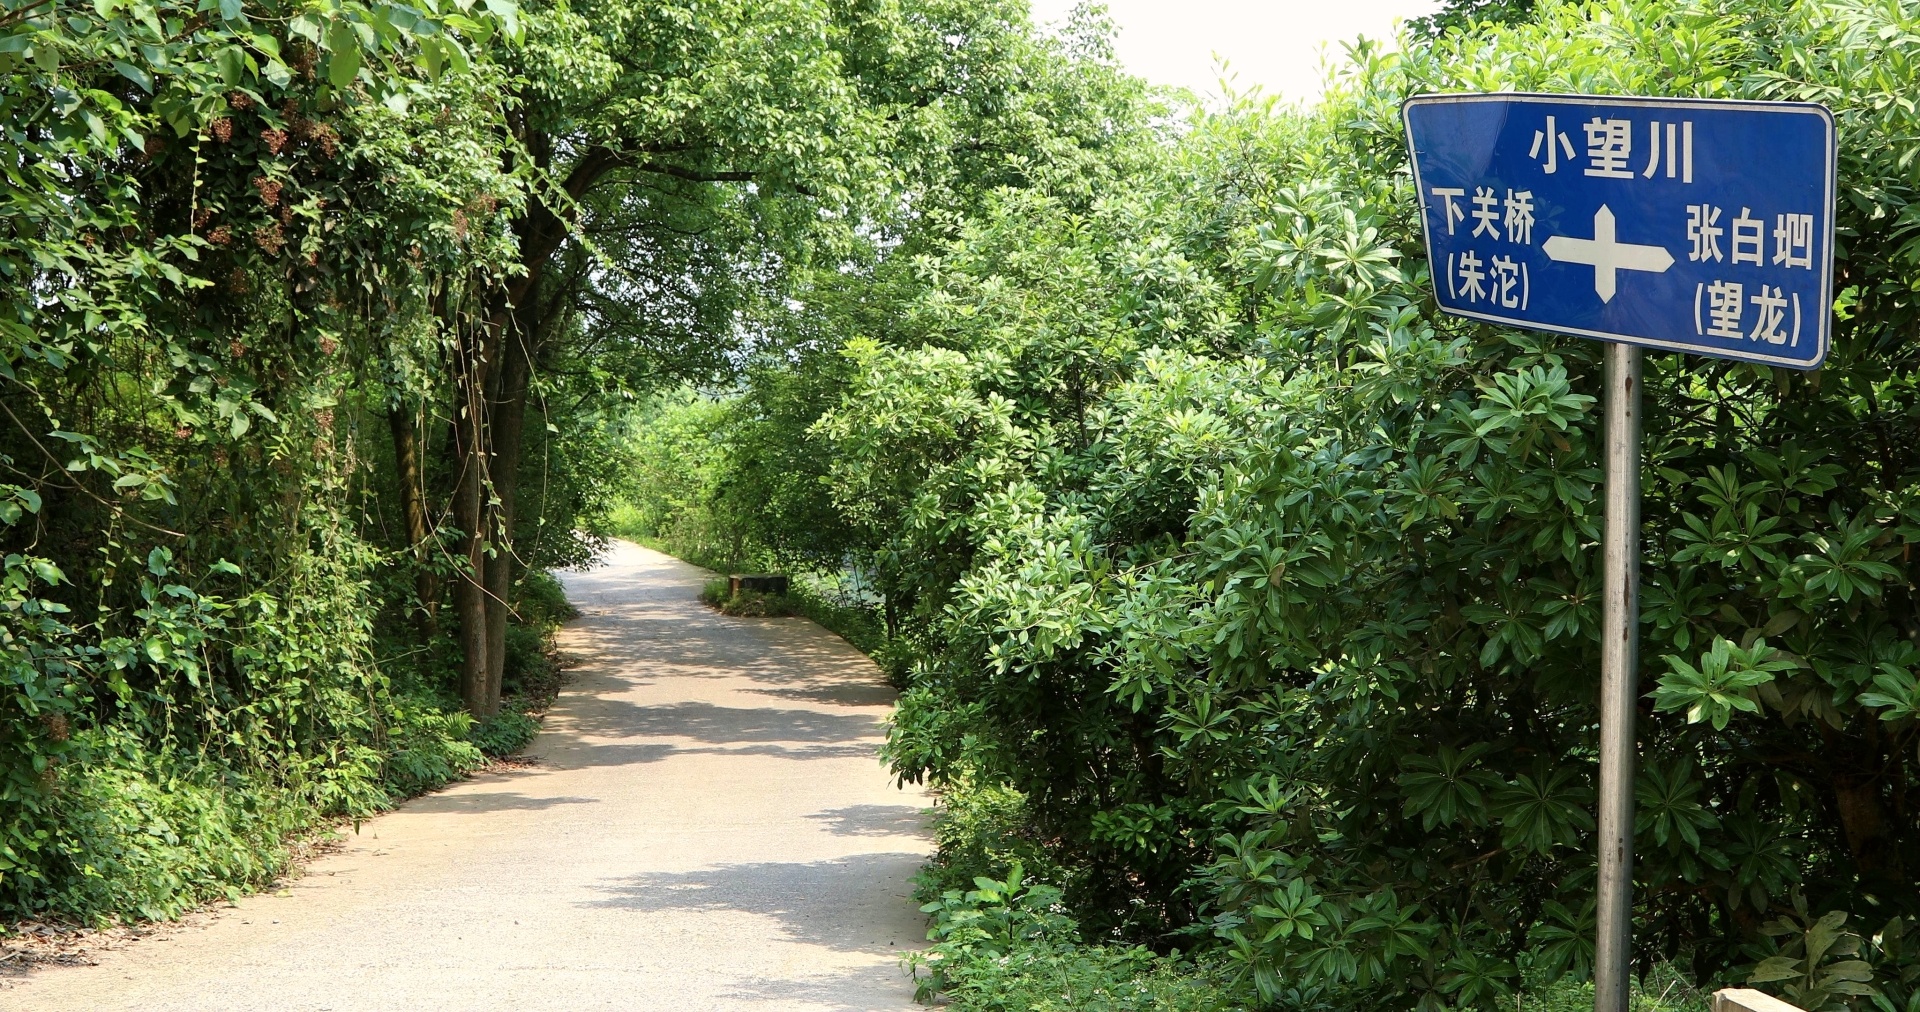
pixel 507 422
pixel 471 514
pixel 1863 819
pixel 517 324
pixel 413 510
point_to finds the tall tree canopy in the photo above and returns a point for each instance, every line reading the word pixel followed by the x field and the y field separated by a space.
pixel 1268 593
pixel 310 315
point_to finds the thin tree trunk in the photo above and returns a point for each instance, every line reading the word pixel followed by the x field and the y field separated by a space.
pixel 517 323
pixel 507 422
pixel 1863 820
pixel 413 509
pixel 516 326
pixel 470 513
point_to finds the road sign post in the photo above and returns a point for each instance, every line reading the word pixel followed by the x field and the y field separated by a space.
pixel 1619 677
pixel 1685 225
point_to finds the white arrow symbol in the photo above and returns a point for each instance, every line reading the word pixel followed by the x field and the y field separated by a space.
pixel 1606 255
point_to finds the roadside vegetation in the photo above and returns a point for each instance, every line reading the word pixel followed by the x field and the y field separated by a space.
pixel 1244 604
pixel 317 321
pixel 203 643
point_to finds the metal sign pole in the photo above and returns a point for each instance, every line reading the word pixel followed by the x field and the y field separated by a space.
pixel 1620 239
pixel 1619 678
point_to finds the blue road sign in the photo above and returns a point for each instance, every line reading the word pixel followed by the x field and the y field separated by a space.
pixel 1681 224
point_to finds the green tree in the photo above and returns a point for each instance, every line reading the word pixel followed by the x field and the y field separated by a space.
pixel 1274 591
pixel 202 201
pixel 687 158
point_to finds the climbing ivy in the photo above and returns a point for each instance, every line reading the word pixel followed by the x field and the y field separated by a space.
pixel 201 202
pixel 312 313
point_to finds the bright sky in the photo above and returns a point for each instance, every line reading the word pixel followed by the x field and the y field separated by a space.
pixel 1273 43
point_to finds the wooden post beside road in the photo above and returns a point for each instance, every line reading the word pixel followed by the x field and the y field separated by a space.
pixel 1741 999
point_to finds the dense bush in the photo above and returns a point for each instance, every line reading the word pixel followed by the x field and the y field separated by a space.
pixel 312 319
pixel 201 200
pixel 1273 591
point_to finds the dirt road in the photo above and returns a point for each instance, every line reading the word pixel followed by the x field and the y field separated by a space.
pixel 706 828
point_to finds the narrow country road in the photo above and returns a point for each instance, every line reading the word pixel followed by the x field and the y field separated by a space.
pixel 706 827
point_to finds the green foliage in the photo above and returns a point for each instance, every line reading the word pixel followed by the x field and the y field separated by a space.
pixel 202 203
pixel 1728 679
pixel 504 733
pixel 1455 15
pixel 1272 591
pixel 131 833
pixel 983 831
pixel 1099 978
pixel 997 954
pixel 1005 944
pixel 995 917
pixel 532 676
pixel 1661 990
pixel 1817 968
pixel 1898 982
pixel 672 440
pixel 429 746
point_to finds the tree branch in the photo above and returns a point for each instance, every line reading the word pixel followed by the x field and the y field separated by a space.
pixel 693 175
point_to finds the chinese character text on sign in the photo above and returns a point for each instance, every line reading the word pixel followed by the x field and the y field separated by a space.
pixel 1688 225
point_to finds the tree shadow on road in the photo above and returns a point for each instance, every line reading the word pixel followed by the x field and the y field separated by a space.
pixel 836 693
pixel 859 903
pixel 494 801
pixel 569 753
pixel 718 725
pixel 874 820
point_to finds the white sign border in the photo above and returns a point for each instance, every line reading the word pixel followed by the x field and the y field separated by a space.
pixel 1825 336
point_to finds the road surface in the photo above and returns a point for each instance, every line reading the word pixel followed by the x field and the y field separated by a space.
pixel 705 827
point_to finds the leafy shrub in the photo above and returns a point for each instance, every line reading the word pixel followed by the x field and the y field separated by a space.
pixel 986 924
pixel 541 603
pixel 430 747
pixel 983 831
pixel 997 916
pixel 529 669
pixel 1095 978
pixel 141 835
pixel 1273 590
pixel 505 733
pixel 1001 941
pixel 531 675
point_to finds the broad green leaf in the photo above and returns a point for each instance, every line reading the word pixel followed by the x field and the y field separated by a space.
pixel 343 54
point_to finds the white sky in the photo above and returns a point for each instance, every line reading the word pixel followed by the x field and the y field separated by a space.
pixel 1273 43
